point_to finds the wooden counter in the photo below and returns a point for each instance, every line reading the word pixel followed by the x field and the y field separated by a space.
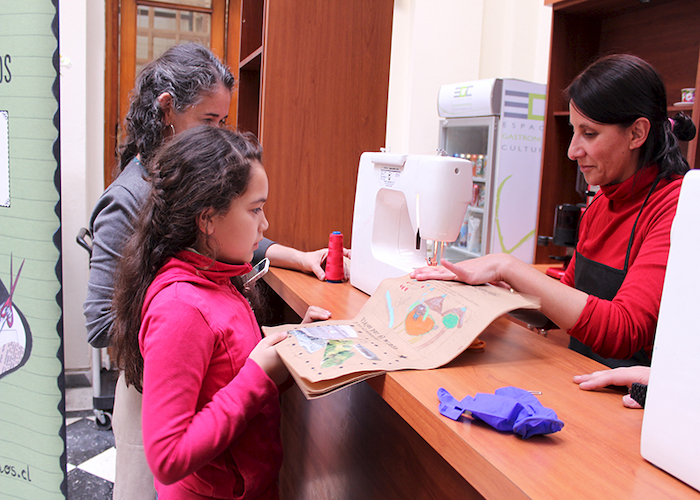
pixel 351 445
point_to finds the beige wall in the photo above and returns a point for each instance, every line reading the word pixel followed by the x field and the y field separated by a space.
pixel 437 42
pixel 434 42
pixel 82 40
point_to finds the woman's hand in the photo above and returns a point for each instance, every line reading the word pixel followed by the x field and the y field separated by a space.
pixel 624 376
pixel 313 262
pixel 433 273
pixel 265 355
pixel 315 313
pixel 560 303
pixel 486 269
pixel 307 262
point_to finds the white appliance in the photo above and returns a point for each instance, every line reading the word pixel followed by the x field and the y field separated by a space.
pixel 670 438
pixel 497 124
pixel 401 202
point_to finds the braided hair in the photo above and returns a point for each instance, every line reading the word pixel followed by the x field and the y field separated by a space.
pixel 620 88
pixel 187 72
pixel 199 169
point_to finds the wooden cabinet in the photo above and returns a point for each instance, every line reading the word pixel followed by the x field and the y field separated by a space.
pixel 313 81
pixel 663 32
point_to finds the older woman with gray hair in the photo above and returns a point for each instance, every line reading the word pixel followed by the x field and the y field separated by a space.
pixel 185 87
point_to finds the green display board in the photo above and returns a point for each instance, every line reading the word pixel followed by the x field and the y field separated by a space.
pixel 32 402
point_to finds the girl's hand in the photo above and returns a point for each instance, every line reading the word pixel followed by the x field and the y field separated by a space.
pixel 265 355
pixel 624 376
pixel 315 313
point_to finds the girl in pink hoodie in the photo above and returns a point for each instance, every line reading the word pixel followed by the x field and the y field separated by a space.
pixel 185 333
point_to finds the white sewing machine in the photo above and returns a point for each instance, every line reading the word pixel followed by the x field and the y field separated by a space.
pixel 401 202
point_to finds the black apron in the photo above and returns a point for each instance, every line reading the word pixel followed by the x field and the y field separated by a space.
pixel 604 282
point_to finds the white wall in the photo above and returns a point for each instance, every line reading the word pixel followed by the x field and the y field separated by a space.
pixel 81 46
pixel 434 42
pixel 437 42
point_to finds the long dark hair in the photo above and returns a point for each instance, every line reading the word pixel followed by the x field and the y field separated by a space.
pixel 201 168
pixel 187 72
pixel 620 88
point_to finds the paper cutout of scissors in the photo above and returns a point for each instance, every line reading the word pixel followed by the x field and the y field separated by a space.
pixel 6 315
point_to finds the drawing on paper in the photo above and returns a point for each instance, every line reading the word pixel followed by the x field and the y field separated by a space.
pixel 337 352
pixel 335 340
pixel 425 319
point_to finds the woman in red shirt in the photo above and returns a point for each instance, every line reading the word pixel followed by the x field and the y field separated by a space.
pixel 624 142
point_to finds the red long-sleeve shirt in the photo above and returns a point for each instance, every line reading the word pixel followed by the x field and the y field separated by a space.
pixel 626 324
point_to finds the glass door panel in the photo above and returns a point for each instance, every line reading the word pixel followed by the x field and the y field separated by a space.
pixel 472 139
pixel 159 28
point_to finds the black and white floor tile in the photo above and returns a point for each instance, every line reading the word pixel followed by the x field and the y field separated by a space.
pixel 90 451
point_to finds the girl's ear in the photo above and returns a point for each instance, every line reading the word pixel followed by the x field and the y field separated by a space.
pixel 165 101
pixel 639 132
pixel 204 222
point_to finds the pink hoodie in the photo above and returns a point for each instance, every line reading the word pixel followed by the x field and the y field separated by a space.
pixel 210 415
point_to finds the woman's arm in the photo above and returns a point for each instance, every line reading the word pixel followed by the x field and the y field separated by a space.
pixel 560 303
pixel 307 262
pixel 111 226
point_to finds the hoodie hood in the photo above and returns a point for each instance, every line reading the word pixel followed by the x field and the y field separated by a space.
pixel 191 267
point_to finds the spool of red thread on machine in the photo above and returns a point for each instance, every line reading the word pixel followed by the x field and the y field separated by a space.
pixel 334 261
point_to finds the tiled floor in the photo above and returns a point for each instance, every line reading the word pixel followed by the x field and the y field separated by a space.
pixel 90 451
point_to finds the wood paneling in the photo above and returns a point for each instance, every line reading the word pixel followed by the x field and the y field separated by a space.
pixel 352 445
pixel 111 88
pixel 323 102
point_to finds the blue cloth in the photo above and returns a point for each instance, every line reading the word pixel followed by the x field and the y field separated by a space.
pixel 508 409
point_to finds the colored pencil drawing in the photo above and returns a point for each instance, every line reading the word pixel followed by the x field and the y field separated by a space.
pixel 426 319
pixel 337 352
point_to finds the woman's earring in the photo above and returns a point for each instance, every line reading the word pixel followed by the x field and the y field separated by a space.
pixel 172 128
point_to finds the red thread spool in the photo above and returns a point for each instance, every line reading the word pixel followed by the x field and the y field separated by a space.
pixel 334 261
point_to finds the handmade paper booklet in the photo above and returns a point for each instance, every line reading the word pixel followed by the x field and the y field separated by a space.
pixel 405 324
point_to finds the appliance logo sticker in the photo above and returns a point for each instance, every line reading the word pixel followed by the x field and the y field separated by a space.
pixel 389 175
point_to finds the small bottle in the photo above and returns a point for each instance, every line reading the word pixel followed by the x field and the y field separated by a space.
pixel 480 165
pixel 473 160
pixel 463 234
